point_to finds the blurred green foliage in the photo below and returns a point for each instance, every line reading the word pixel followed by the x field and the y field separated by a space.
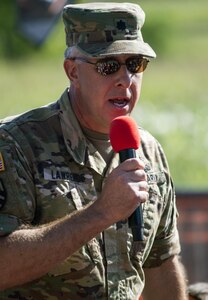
pixel 173 103
pixel 12 45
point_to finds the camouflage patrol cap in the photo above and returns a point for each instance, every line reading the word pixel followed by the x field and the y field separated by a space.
pixel 103 29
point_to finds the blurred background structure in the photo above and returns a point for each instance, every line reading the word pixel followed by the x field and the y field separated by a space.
pixel 173 105
pixel 36 18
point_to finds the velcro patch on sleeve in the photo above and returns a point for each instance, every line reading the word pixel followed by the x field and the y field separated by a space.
pixel 3 194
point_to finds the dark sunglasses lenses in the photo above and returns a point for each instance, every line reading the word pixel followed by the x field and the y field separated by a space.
pixel 133 64
pixel 136 64
pixel 107 67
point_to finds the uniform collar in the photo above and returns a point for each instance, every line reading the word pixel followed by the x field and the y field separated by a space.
pixel 72 133
pixel 82 151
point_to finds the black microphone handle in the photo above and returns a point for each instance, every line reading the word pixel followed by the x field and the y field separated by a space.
pixel 135 221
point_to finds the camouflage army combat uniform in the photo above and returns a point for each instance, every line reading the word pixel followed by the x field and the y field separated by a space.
pixel 48 169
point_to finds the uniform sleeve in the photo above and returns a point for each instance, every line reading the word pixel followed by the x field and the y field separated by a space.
pixel 166 241
pixel 17 193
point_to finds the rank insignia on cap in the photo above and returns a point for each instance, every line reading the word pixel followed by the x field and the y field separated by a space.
pixel 2 168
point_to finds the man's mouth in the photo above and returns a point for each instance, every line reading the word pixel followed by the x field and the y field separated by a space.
pixel 119 102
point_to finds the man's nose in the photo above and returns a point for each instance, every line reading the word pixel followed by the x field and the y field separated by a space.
pixel 124 77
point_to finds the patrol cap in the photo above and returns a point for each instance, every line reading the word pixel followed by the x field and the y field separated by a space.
pixel 103 29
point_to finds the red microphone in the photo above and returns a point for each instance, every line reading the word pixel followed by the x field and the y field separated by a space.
pixel 125 139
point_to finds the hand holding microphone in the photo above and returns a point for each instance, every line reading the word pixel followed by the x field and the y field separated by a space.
pixel 125 139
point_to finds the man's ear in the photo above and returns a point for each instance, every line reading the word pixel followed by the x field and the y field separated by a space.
pixel 71 70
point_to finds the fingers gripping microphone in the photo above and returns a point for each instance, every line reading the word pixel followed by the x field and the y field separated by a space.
pixel 125 139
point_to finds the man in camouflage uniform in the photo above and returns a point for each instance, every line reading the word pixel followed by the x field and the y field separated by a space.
pixel 64 197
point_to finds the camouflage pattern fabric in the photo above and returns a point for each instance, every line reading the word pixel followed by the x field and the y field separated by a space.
pixel 50 170
pixel 100 29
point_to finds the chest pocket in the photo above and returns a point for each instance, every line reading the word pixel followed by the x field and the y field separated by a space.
pixel 61 191
pixel 152 210
pixel 153 207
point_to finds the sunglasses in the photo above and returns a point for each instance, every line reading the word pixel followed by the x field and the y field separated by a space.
pixel 107 66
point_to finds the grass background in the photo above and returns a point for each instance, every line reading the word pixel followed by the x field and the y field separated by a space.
pixel 173 104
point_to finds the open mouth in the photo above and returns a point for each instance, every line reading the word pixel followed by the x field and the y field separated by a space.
pixel 119 102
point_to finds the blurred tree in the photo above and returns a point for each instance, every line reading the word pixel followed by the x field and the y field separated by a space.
pixel 36 18
pixel 25 24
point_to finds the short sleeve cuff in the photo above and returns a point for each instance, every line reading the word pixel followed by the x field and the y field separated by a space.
pixel 8 224
pixel 162 250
